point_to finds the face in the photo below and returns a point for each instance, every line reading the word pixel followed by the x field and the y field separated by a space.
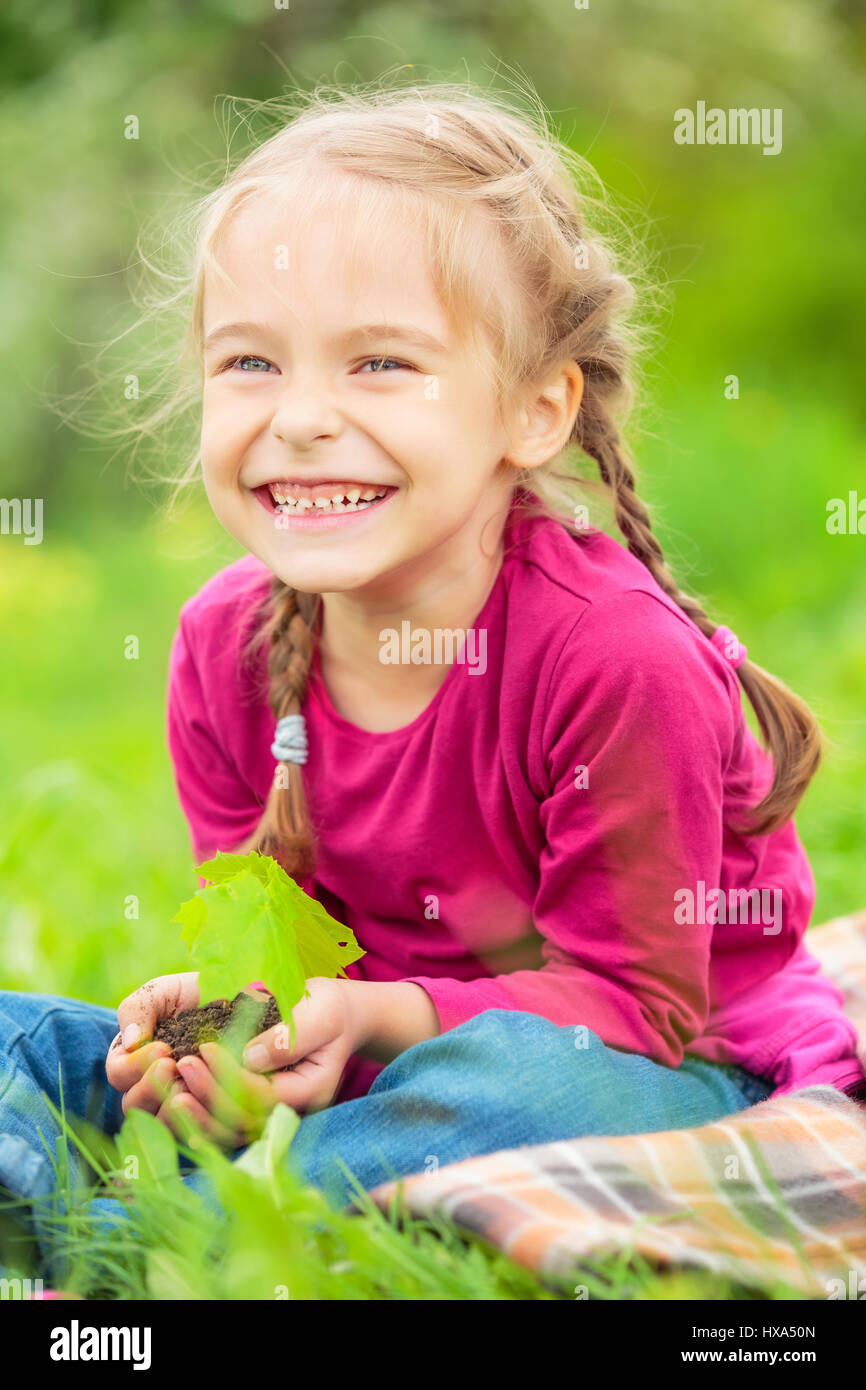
pixel 349 440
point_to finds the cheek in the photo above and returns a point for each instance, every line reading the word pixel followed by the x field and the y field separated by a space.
pixel 447 432
pixel 465 410
pixel 215 451
pixel 217 473
pixel 457 445
pixel 225 434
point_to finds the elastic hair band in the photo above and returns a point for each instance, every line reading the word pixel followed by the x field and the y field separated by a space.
pixel 290 742
pixel 728 644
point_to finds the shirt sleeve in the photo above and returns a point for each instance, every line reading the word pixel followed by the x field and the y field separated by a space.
pixel 220 808
pixel 637 731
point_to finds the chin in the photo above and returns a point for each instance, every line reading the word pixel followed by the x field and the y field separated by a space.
pixel 319 578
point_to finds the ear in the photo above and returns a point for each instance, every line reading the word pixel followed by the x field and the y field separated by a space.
pixel 546 418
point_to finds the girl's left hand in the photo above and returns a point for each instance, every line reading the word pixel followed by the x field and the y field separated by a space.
pixel 231 1102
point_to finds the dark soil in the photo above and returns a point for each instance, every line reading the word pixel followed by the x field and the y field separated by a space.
pixel 244 1017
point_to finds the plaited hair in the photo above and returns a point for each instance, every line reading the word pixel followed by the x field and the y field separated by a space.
pixel 522 274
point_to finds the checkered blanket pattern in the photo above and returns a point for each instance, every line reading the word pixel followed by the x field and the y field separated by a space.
pixel 775 1192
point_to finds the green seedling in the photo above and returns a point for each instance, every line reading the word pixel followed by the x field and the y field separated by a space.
pixel 252 922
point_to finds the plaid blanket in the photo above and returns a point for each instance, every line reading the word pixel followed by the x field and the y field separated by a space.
pixel 774 1193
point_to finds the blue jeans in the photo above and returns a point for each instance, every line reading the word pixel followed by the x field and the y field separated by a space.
pixel 500 1080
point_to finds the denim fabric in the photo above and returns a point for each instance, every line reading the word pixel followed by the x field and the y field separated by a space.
pixel 39 1035
pixel 505 1079
pixel 500 1080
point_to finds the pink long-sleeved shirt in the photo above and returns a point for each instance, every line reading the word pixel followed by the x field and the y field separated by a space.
pixel 551 832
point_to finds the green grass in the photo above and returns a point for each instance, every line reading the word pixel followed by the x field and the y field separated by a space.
pixel 94 855
pixel 764 257
pixel 161 1240
pixel 90 829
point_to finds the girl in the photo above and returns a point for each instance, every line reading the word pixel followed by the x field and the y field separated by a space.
pixel 571 866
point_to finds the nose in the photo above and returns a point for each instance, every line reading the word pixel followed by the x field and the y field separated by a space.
pixel 305 416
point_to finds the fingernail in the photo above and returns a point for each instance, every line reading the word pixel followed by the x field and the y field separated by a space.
pixel 131 1035
pixel 256 1057
pixel 184 1063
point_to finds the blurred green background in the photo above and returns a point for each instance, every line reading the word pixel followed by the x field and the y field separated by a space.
pixel 763 259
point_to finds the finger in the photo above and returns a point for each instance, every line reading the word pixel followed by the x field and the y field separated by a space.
pixel 189 1121
pixel 124 1069
pixel 203 1085
pixel 227 1089
pixel 306 1088
pixel 151 1091
pixel 139 1013
pixel 229 1073
pixel 214 1075
pixel 273 1050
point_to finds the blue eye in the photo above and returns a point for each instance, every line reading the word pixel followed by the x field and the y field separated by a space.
pixel 259 364
pixel 378 364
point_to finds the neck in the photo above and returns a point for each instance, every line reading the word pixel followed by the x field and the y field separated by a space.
pixel 443 590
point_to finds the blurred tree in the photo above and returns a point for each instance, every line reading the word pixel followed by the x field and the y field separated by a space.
pixel 764 252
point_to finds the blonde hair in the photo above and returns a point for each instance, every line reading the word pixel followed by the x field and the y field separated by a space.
pixel 519 269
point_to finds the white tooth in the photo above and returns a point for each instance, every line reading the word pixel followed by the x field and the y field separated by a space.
pixel 304 502
pixel 351 507
pixel 337 506
pixel 353 494
pixel 321 502
pixel 339 497
pixel 369 494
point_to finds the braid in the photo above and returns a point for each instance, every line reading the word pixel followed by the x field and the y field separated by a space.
pixel 633 520
pixel 285 830
pixel 788 726
pixel 489 168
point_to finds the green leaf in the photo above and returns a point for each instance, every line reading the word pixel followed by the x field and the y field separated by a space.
pixel 325 946
pixel 143 1139
pixel 267 1155
pixel 227 865
pixel 253 922
pixel 193 915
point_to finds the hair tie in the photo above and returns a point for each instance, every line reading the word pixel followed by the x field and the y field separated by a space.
pixel 290 742
pixel 728 644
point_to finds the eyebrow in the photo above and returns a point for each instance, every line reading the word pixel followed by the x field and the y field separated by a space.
pixel 233 330
pixel 398 333
pixel 408 333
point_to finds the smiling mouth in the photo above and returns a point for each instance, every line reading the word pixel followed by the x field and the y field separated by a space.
pixel 311 500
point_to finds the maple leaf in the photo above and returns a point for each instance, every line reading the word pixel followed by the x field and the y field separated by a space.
pixel 253 922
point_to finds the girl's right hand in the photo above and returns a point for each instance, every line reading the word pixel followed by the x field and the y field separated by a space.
pixel 145 1071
